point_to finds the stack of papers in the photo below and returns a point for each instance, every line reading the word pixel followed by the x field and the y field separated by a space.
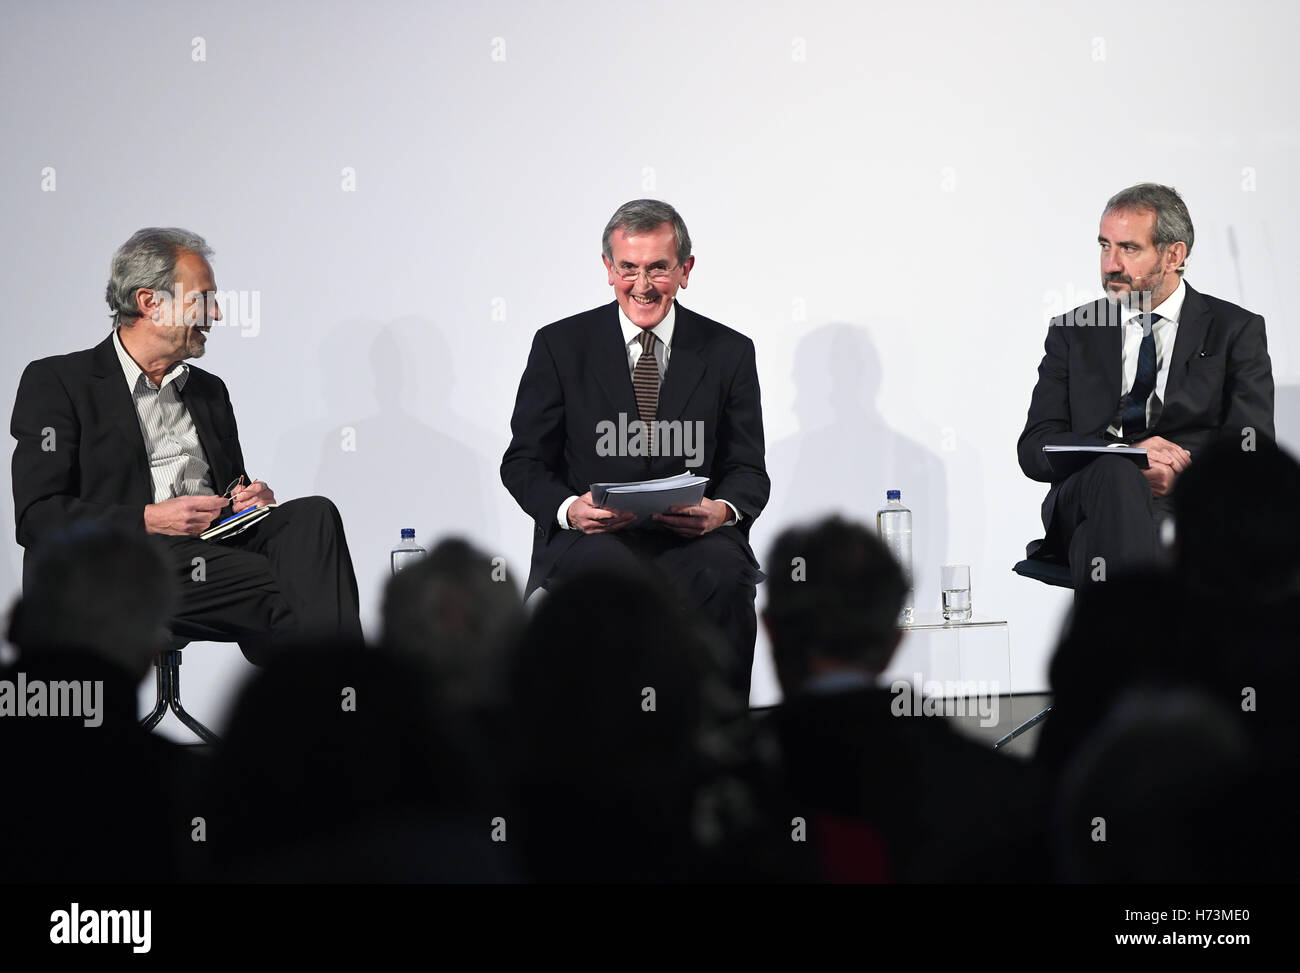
pixel 645 498
pixel 1065 460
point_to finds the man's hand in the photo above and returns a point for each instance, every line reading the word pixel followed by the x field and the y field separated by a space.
pixel 256 494
pixel 590 519
pixel 1160 477
pixel 696 521
pixel 182 516
pixel 1163 451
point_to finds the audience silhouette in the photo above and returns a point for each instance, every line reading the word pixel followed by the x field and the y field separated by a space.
pixel 597 738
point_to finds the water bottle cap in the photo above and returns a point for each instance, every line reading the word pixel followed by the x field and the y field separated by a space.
pixel 893 494
pixel 408 533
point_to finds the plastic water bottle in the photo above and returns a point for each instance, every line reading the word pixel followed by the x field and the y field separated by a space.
pixel 408 552
pixel 894 524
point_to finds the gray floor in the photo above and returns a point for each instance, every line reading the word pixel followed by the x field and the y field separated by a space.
pixel 1011 711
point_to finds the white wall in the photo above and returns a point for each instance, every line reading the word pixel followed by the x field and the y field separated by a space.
pixel 890 200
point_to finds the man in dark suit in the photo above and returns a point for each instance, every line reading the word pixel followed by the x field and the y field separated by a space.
pixel 888 793
pixel 128 435
pixel 644 359
pixel 1155 364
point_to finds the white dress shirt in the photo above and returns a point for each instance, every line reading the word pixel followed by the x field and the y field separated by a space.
pixel 1165 331
pixel 177 464
pixel 663 347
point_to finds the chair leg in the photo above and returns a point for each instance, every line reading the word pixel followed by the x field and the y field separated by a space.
pixel 160 707
pixel 169 696
pixel 1029 724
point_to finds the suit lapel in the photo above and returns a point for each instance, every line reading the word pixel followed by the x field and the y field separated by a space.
pixel 201 412
pixel 1115 356
pixel 685 366
pixel 1097 374
pixel 114 401
pixel 1193 325
pixel 609 357
pixel 1112 348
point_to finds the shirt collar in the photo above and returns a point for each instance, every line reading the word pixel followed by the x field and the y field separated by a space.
pixel 663 330
pixel 1169 309
pixel 133 372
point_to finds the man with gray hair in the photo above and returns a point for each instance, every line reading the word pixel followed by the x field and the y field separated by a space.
pixel 1154 364
pixel 128 434
pixel 682 393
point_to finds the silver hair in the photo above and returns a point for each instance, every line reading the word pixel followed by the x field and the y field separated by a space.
pixel 1173 222
pixel 148 261
pixel 641 216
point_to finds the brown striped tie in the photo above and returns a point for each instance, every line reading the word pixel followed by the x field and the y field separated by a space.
pixel 645 378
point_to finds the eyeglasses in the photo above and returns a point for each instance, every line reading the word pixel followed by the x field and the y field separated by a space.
pixel 235 484
pixel 656 275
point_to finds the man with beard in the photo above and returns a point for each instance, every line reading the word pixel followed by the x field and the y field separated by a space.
pixel 1154 364
pixel 127 434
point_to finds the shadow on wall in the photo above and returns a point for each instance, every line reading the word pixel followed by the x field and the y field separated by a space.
pixel 845 457
pixel 392 451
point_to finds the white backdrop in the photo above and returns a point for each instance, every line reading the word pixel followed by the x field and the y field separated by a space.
pixel 891 200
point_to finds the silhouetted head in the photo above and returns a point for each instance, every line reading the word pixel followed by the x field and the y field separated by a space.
pixel 329 739
pixel 457 612
pixel 614 690
pixel 1158 794
pixel 1121 634
pixel 834 593
pixel 99 590
pixel 1237 519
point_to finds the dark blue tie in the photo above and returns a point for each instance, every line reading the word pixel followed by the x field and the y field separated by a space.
pixel 1144 381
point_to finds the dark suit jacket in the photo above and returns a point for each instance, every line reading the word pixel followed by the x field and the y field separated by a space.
pixel 95 466
pixel 947 808
pixel 577 376
pixel 1220 381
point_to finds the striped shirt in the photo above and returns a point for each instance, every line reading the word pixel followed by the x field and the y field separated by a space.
pixel 177 464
